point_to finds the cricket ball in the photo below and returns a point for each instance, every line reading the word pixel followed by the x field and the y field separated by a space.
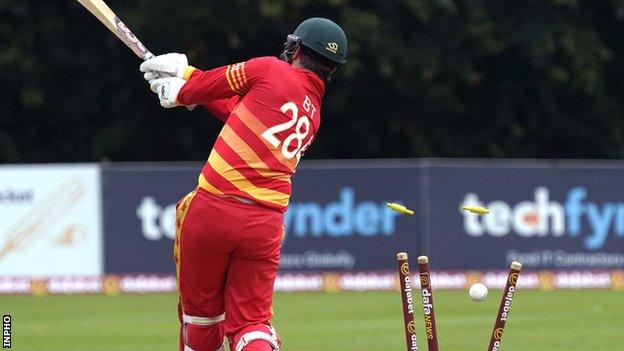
pixel 478 292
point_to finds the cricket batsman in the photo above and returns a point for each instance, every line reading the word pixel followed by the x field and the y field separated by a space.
pixel 230 228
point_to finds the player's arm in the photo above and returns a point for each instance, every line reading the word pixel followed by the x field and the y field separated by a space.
pixel 190 86
pixel 222 108
pixel 224 82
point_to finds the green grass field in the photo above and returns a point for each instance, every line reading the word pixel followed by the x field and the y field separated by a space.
pixel 563 320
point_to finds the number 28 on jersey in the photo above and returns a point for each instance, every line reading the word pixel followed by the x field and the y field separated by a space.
pixel 299 125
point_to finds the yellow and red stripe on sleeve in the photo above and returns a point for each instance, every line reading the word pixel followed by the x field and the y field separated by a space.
pixel 237 78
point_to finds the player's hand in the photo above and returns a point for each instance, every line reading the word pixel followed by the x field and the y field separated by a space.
pixel 162 66
pixel 167 90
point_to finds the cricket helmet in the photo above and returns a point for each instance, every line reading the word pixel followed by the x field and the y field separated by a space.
pixel 320 35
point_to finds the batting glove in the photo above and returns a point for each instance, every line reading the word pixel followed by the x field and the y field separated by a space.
pixel 162 66
pixel 167 90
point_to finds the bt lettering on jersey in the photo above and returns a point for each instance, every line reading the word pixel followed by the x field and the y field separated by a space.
pixel 543 217
pixel 340 218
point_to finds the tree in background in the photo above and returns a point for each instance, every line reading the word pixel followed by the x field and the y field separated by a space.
pixel 435 78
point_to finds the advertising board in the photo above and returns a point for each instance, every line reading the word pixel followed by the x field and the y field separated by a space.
pixel 547 215
pixel 50 220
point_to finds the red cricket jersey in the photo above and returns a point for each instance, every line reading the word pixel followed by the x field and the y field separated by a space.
pixel 272 112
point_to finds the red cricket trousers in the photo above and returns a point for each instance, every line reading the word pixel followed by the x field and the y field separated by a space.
pixel 227 256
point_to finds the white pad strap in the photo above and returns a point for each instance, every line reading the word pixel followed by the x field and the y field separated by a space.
pixel 258 335
pixel 202 320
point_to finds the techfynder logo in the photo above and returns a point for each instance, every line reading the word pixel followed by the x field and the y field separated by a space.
pixel 541 217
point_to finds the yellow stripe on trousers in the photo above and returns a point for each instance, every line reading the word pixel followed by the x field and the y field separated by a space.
pixel 181 212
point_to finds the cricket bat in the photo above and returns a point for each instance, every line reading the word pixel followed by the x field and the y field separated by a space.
pixel 102 12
